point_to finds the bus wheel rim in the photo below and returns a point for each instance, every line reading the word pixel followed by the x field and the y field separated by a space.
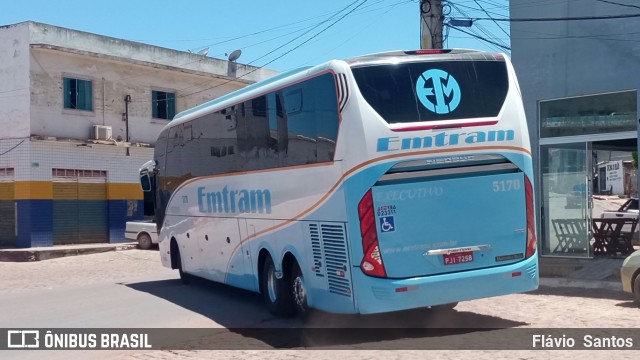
pixel 299 292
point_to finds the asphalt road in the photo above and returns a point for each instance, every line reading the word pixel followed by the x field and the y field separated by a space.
pixel 130 289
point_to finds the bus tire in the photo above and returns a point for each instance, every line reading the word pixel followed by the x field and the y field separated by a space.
pixel 299 290
pixel 178 264
pixel 276 294
pixel 144 241
pixel 636 289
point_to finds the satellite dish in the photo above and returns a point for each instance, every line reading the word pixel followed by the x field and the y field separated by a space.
pixel 235 54
pixel 204 51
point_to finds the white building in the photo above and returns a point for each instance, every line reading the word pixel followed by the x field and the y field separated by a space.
pixel 79 114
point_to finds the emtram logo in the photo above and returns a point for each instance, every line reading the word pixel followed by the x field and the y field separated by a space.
pixel 234 201
pixel 438 91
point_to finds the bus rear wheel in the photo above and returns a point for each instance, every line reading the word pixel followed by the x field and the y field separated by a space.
pixel 445 307
pixel 276 291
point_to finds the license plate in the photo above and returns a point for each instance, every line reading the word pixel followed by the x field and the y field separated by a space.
pixel 458 258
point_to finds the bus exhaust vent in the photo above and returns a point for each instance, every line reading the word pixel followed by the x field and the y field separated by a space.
pixel 330 258
pixel 334 244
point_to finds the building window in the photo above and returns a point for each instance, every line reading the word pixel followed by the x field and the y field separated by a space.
pixel 6 172
pixel 78 173
pixel 590 114
pixel 78 94
pixel 163 105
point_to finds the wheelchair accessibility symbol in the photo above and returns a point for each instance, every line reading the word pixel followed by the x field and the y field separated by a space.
pixel 387 224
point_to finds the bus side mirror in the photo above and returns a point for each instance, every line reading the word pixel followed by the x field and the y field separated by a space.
pixel 145 182
pixel 146 171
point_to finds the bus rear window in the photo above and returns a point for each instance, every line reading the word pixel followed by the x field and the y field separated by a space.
pixel 438 90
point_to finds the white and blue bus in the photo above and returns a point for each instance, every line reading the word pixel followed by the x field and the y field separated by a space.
pixel 386 182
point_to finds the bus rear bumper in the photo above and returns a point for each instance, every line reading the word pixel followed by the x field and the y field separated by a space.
pixel 375 295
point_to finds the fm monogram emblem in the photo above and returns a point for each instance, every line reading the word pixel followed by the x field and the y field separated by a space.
pixel 438 91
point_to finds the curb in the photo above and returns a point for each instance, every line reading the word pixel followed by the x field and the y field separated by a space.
pixel 29 255
pixel 580 284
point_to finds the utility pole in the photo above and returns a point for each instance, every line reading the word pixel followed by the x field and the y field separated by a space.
pixel 431 24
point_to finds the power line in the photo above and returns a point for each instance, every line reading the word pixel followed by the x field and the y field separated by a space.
pixel 583 37
pixel 578 18
pixel 12 90
pixel 203 83
pixel 18 144
pixel 362 11
pixel 583 18
pixel 308 30
pixel 480 37
pixel 487 12
pixel 386 10
pixel 498 6
pixel 619 4
pixel 488 37
pixel 495 22
pixel 249 63
pixel 294 48
pixel 292 24
pixel 541 3
pixel 316 35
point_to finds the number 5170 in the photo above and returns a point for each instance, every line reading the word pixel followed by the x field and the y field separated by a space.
pixel 506 185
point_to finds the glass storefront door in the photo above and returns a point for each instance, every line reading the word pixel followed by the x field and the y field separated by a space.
pixel 587 168
pixel 566 195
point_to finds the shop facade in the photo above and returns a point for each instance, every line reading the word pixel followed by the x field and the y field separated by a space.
pixel 579 81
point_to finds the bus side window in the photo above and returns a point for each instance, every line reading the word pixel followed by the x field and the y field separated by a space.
pixel 274 138
pixel 257 145
pixel 251 125
pixel 301 125
pixel 281 126
pixel 214 136
pixel 326 110
pixel 174 164
pixel 309 121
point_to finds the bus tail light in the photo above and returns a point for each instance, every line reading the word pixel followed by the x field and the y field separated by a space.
pixel 531 225
pixel 371 263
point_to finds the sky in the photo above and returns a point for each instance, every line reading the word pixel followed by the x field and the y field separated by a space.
pixel 277 34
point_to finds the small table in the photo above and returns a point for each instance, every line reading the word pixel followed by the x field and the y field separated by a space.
pixel 613 235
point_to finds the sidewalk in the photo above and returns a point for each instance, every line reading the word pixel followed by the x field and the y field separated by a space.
pixel 580 284
pixel 585 273
pixel 58 251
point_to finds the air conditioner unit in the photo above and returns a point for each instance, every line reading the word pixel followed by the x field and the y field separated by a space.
pixel 101 132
